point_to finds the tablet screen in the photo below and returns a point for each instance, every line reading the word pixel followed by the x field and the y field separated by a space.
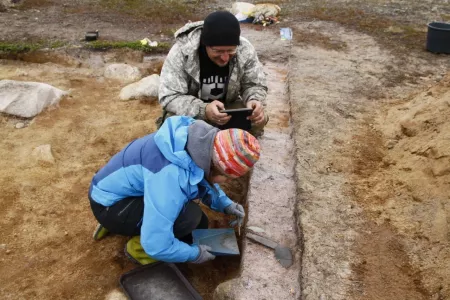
pixel 238 118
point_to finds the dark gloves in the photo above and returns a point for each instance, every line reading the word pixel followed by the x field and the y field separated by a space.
pixel 204 255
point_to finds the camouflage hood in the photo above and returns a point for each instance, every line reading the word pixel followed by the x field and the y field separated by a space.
pixel 188 28
pixel 180 90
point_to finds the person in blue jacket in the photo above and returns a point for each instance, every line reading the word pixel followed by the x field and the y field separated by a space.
pixel 146 190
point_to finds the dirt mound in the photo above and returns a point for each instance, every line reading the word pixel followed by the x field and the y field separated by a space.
pixel 402 176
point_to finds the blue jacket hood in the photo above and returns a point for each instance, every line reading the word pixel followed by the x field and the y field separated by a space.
pixel 171 140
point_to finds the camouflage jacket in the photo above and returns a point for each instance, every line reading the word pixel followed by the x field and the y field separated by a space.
pixel 180 90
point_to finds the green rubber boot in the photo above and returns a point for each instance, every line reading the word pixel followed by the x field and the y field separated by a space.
pixel 100 232
pixel 135 252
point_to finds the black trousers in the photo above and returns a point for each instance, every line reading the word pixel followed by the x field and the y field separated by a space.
pixel 125 218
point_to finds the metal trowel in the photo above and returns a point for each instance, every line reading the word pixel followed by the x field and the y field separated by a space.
pixel 282 254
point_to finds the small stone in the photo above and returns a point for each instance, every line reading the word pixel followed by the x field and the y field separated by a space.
pixel 429 93
pixel 44 153
pixel 255 229
pixel 410 127
pixel 8 251
pixel 390 144
pixel 20 125
pixel 66 233
pixel 122 72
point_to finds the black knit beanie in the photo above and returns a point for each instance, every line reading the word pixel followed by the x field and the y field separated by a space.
pixel 221 28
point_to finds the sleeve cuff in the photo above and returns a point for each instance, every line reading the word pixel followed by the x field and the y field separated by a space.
pixel 195 253
pixel 202 111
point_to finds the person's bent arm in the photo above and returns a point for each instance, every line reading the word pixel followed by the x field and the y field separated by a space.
pixel 163 201
pixel 216 199
pixel 174 89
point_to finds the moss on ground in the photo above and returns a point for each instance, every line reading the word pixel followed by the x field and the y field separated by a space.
pixel 19 47
pixel 105 45
pixel 22 47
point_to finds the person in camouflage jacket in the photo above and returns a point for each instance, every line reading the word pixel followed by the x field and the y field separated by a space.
pixel 180 91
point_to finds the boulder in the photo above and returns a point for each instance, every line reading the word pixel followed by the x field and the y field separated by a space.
pixel 122 72
pixel 27 99
pixel 145 88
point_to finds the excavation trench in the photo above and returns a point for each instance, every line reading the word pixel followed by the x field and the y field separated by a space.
pixel 84 131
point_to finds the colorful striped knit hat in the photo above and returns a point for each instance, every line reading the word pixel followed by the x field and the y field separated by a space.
pixel 235 151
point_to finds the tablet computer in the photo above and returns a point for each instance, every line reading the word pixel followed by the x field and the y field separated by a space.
pixel 238 118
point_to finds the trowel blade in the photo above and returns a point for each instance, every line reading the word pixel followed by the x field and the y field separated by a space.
pixel 284 256
pixel 222 241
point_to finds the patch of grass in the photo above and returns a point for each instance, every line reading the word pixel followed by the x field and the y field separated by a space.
pixel 136 45
pixel 163 11
pixel 16 47
pixel 57 44
pixel 21 47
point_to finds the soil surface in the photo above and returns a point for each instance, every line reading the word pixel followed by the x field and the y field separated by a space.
pixel 46 222
pixel 370 117
pixel 371 166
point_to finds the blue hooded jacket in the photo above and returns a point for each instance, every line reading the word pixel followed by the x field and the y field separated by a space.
pixel 158 167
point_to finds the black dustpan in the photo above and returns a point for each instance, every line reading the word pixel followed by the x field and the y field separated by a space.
pixel 157 281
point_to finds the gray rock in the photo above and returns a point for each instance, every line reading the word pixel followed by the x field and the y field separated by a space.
pixel 20 125
pixel 145 88
pixel 27 99
pixel 122 72
pixel 43 153
pixel 256 229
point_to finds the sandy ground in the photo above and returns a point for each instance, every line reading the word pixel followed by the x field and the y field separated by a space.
pixel 370 127
pixel 46 220
pixel 367 234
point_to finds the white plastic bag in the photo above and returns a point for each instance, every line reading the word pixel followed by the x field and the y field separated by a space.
pixel 242 10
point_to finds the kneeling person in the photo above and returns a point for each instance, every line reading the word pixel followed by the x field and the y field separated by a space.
pixel 146 190
pixel 211 68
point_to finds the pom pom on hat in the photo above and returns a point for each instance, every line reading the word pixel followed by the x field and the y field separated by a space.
pixel 235 151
